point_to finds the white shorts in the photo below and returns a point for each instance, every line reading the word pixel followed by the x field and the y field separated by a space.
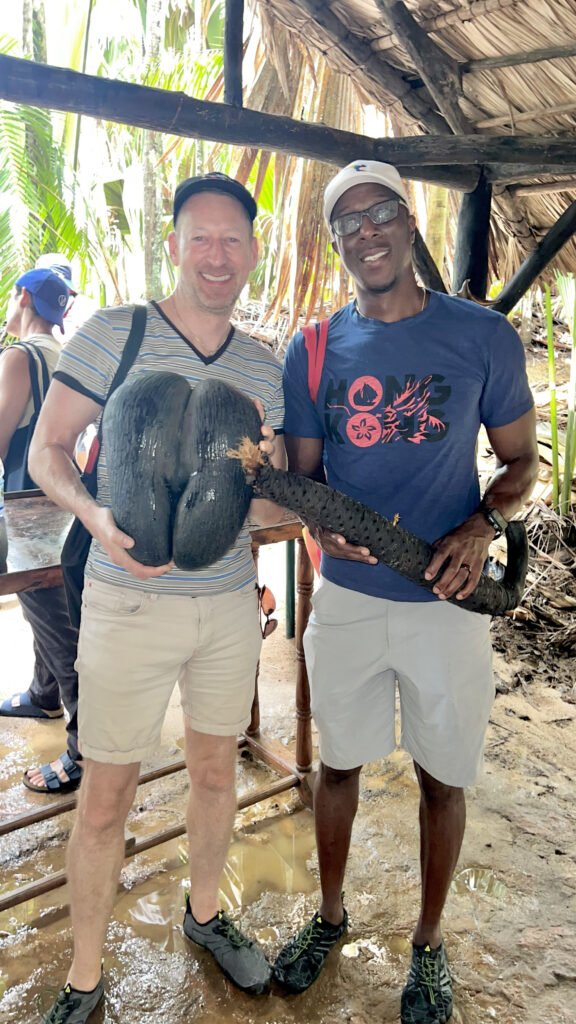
pixel 358 647
pixel 132 648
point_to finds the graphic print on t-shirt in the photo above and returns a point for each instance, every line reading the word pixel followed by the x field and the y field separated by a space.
pixel 368 411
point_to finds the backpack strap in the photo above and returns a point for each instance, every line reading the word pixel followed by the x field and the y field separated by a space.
pixel 129 353
pixel 35 356
pixel 315 336
pixel 131 348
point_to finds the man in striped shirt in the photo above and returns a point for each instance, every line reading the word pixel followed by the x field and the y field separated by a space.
pixel 143 628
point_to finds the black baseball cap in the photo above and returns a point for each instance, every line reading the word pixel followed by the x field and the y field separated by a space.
pixel 214 182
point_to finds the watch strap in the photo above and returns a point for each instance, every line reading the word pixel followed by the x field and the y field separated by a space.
pixel 495 518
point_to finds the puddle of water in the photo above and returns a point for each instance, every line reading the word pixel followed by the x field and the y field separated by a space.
pixel 477 879
pixel 268 859
pixel 390 944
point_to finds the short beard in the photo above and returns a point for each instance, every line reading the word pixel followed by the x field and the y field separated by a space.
pixel 380 289
pixel 205 307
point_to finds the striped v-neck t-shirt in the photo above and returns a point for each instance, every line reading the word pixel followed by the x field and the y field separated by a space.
pixel 87 365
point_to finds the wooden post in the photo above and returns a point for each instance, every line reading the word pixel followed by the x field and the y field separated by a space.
pixel 290 591
pixel 305 585
pixel 233 52
pixel 544 252
pixel 254 727
pixel 471 252
pixel 424 264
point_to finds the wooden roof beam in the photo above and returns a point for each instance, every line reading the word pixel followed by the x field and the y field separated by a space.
pixel 538 260
pixel 368 61
pixel 233 51
pixel 544 187
pixel 512 60
pixel 459 15
pixel 175 113
pixel 536 150
pixel 438 71
pixel 511 174
pixel 516 116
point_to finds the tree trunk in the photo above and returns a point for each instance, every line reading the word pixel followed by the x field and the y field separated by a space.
pixel 39 32
pixel 437 210
pixel 152 152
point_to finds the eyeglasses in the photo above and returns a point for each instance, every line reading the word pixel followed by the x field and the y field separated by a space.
pixel 267 606
pixel 379 213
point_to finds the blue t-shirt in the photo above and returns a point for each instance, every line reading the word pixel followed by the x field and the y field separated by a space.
pixel 399 408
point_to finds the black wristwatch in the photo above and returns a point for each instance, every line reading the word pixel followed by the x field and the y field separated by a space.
pixel 495 518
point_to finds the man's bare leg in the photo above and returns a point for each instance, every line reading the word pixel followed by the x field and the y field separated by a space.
pixel 442 823
pixel 300 961
pixel 94 861
pixel 335 806
pixel 211 762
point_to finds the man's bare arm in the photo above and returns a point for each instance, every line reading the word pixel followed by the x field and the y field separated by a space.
pixel 467 546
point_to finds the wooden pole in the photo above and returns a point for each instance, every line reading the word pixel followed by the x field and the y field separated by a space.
pixel 290 591
pixel 544 187
pixel 305 586
pixel 370 66
pixel 233 52
pixel 425 266
pixel 438 70
pixel 512 60
pixel 40 85
pixel 544 252
pixel 55 881
pixel 471 251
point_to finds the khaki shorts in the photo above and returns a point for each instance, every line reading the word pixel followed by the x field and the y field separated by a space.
pixel 358 648
pixel 134 646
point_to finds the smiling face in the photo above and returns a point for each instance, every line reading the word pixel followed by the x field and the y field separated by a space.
pixel 215 249
pixel 377 257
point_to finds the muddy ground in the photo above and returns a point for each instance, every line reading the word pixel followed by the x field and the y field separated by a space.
pixel 510 922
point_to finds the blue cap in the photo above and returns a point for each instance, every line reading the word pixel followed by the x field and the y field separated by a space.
pixel 49 291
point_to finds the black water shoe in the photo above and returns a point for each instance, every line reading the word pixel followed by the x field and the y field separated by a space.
pixel 299 963
pixel 240 959
pixel 427 995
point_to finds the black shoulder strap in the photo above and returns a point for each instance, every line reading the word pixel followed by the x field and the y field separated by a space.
pixel 129 353
pixel 34 354
pixel 131 348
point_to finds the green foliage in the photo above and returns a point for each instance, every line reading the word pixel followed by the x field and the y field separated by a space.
pixel 552 385
pixel 34 217
pixel 567 291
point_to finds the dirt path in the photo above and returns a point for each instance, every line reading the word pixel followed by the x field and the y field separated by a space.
pixel 510 922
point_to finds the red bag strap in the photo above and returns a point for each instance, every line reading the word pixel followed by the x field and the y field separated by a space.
pixel 315 337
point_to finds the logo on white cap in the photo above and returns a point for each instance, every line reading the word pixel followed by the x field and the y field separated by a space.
pixel 357 173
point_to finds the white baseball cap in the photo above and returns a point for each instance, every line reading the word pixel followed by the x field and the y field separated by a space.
pixel 358 172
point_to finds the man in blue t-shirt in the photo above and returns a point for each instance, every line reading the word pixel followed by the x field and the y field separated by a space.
pixel 408 378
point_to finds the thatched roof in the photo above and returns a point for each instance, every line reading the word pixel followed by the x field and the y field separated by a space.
pixel 462 93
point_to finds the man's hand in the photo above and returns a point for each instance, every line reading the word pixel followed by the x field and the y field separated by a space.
pixel 337 546
pixel 116 544
pixel 268 443
pixel 466 548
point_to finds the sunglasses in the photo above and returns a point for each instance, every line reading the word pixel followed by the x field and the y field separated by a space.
pixel 379 213
pixel 267 606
